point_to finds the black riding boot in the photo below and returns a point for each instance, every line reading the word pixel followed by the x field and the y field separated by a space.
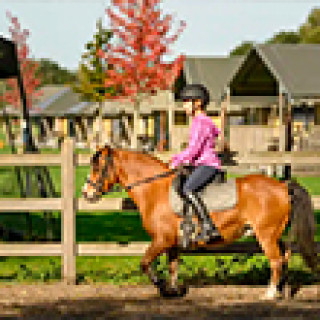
pixel 187 226
pixel 208 230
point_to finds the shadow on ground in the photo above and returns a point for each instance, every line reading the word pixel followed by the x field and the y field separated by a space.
pixel 110 302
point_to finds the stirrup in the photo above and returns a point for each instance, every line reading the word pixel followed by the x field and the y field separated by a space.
pixel 208 232
pixel 187 232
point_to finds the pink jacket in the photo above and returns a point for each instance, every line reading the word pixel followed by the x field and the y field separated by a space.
pixel 200 151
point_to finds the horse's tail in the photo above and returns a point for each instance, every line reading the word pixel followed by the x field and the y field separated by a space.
pixel 303 224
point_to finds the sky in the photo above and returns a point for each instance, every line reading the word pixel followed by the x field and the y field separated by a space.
pixel 60 28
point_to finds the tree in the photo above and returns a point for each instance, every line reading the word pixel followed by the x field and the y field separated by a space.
pixel 52 73
pixel 285 37
pixel 28 68
pixel 29 75
pixel 242 49
pixel 141 41
pixel 92 73
pixel 310 30
pixel 92 69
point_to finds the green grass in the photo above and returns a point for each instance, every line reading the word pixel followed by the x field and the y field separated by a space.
pixel 118 226
pixel 312 184
pixel 196 270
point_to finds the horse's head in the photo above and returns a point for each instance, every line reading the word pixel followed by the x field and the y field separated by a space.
pixel 102 174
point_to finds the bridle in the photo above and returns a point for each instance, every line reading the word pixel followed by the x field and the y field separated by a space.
pixel 104 174
pixel 110 163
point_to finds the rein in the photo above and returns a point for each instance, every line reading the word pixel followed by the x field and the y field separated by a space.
pixel 149 179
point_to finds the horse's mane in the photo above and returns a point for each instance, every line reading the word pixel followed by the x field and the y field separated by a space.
pixel 148 155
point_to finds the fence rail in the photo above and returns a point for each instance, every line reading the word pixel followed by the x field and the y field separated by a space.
pixel 117 249
pixel 68 249
pixel 55 204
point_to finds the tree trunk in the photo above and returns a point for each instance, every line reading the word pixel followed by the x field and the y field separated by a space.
pixel 134 137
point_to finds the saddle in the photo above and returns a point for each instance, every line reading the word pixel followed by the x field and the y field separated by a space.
pixel 218 195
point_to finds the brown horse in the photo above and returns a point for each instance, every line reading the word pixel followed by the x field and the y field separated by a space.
pixel 265 203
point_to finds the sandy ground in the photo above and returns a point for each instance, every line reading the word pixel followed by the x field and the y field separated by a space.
pixel 101 301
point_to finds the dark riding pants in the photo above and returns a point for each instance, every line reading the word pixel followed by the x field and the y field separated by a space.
pixel 200 177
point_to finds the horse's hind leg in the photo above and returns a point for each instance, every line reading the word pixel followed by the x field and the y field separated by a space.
pixel 286 254
pixel 272 252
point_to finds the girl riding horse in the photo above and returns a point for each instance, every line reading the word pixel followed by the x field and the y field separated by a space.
pixel 200 154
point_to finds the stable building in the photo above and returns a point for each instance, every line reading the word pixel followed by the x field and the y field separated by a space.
pixel 259 89
pixel 273 82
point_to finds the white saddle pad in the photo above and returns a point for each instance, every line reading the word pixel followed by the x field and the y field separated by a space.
pixel 216 196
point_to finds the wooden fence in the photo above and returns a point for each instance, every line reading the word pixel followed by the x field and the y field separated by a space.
pixel 68 249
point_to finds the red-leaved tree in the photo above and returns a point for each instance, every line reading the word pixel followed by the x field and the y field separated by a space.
pixel 142 36
pixel 28 69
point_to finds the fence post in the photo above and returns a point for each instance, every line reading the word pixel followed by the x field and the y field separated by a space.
pixel 68 213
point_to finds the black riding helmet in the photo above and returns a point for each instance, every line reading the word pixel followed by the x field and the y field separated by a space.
pixel 195 91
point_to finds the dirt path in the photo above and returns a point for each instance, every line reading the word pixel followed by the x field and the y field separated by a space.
pixel 100 301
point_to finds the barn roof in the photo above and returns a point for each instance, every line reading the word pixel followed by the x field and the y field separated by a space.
pixel 62 103
pixel 296 67
pixel 213 72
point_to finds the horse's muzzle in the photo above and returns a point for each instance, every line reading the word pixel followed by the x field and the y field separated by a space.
pixel 90 195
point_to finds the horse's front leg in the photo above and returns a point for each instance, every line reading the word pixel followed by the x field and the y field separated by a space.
pixel 173 259
pixel 155 249
pixel 174 289
pixel 153 252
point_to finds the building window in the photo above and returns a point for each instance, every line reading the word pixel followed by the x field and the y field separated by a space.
pixel 90 122
pixel 71 127
pixel 236 120
pixel 180 118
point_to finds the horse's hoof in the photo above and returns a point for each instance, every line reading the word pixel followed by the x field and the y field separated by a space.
pixel 173 292
pixel 286 293
pixel 272 294
pixel 293 291
pixel 270 298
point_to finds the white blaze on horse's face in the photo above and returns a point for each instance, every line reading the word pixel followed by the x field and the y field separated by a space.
pixel 89 191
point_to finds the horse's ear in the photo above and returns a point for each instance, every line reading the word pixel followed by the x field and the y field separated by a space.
pixel 108 145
